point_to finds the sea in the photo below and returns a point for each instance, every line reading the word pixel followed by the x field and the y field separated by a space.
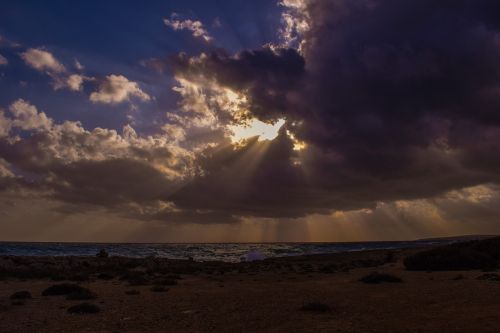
pixel 227 252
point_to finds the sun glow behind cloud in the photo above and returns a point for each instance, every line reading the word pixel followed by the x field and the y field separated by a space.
pixel 254 128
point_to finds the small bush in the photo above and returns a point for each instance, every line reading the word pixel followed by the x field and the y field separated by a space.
pixel 166 282
pixel 315 307
pixel 390 257
pixel 62 289
pixel 135 278
pixel 159 289
pixel 489 277
pixel 79 277
pixel 449 258
pixel 57 277
pixel 102 254
pixel 328 269
pixel 489 246
pixel 21 295
pixel 84 308
pixel 105 276
pixel 83 294
pixel 376 277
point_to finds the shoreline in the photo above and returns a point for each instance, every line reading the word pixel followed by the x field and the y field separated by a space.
pixel 445 238
pixel 228 252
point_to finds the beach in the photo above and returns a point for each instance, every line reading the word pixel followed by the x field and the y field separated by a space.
pixel 319 293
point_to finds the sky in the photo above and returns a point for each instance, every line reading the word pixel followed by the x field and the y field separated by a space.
pixel 249 121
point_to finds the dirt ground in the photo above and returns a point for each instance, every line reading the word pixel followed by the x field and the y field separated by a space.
pixel 268 301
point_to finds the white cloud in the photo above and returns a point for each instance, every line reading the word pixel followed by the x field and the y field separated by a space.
pixel 78 65
pixel 4 170
pixel 295 23
pixel 112 90
pixel 5 125
pixel 42 60
pixel 69 142
pixel 75 82
pixel 27 117
pixel 3 60
pixel 196 27
pixel 116 89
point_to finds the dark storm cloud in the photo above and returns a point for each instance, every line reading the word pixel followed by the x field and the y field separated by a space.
pixel 396 100
pixel 109 182
pixel 190 216
pixel 257 179
pixel 267 76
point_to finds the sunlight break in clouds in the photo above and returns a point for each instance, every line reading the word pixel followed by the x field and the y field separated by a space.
pixel 255 127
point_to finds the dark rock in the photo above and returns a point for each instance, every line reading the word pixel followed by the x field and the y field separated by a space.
pixel 62 289
pixel 135 278
pixel 482 254
pixel 21 295
pixel 79 277
pixel 83 294
pixel 376 277
pixel 159 289
pixel 84 308
pixel 105 276
pixel 489 277
pixel 102 254
pixel 316 307
pixel 166 282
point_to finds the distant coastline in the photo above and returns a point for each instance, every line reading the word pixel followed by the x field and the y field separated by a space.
pixel 228 252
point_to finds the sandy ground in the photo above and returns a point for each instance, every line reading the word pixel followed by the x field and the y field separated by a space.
pixel 269 300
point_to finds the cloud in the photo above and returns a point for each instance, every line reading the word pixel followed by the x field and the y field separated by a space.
pixel 100 168
pixel 42 60
pixel 78 65
pixel 395 115
pixel 116 89
pixel 389 111
pixel 3 60
pixel 196 27
pixel 101 182
pixel 295 22
pixel 4 170
pixel 75 81
pixel 5 125
pixel 27 117
pixel 267 77
pixel 8 180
